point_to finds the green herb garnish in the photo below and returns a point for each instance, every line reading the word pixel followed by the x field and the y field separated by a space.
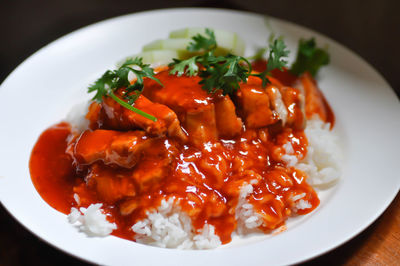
pixel 277 51
pixel 223 73
pixel 309 58
pixel 201 42
pixel 112 80
pixel 188 67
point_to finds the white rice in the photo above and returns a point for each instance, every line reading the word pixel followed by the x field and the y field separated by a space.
pixel 76 117
pixel 322 163
pixel 169 227
pixel 91 221
pixel 299 196
pixel 303 204
pixel 247 219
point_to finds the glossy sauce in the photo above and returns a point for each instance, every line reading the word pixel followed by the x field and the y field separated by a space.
pixel 205 180
pixel 288 79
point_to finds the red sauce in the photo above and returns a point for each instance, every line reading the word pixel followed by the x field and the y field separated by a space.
pixel 51 168
pixel 205 179
pixel 315 100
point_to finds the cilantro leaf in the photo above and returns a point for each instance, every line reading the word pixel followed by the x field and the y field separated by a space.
pixel 218 73
pixel 112 80
pixel 309 58
pixel 277 53
pixel 141 71
pixel 224 73
pixel 102 86
pixel 202 42
pixel 181 67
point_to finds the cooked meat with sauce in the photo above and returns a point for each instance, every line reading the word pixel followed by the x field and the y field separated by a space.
pixel 315 100
pixel 110 114
pixel 202 150
pixel 229 125
pixel 111 147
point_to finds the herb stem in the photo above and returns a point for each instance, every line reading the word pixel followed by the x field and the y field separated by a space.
pixel 130 107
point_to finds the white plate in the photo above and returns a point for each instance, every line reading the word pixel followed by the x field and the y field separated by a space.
pixel 41 91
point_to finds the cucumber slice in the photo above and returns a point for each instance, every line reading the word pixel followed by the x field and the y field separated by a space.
pixel 179 45
pixel 163 51
pixel 168 44
pixel 227 41
pixel 156 57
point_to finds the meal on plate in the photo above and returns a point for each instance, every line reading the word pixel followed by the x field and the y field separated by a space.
pixel 189 143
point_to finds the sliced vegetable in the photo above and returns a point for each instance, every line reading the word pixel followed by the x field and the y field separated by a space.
pixel 158 56
pixel 227 41
pixel 168 44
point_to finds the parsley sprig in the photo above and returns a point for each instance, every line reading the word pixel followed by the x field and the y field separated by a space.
pixel 224 73
pixel 309 58
pixel 277 51
pixel 112 80
pixel 203 42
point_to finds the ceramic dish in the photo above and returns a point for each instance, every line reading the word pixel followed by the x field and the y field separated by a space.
pixel 41 91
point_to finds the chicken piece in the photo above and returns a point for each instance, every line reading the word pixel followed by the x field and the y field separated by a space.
pixel 156 163
pixel 255 104
pixel 93 115
pixel 277 103
pixel 201 126
pixel 192 104
pixel 109 185
pixel 315 102
pixel 111 147
pixel 181 94
pixel 113 184
pixel 128 206
pixel 294 100
pixel 150 171
pixel 228 124
pixel 114 116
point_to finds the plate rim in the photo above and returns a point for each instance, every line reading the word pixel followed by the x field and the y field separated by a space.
pixel 182 9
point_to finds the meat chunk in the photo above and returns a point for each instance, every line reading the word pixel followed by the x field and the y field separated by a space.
pixel 255 104
pixel 181 94
pixel 201 126
pixel 193 106
pixel 264 107
pixel 314 99
pixel 277 103
pixel 156 163
pixel 294 100
pixel 110 185
pixel 228 124
pixel 111 147
pixel 114 116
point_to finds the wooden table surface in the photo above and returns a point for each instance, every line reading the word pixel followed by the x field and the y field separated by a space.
pixel 379 244
pixel 369 27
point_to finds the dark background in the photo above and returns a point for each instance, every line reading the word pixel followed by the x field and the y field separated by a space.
pixel 371 28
